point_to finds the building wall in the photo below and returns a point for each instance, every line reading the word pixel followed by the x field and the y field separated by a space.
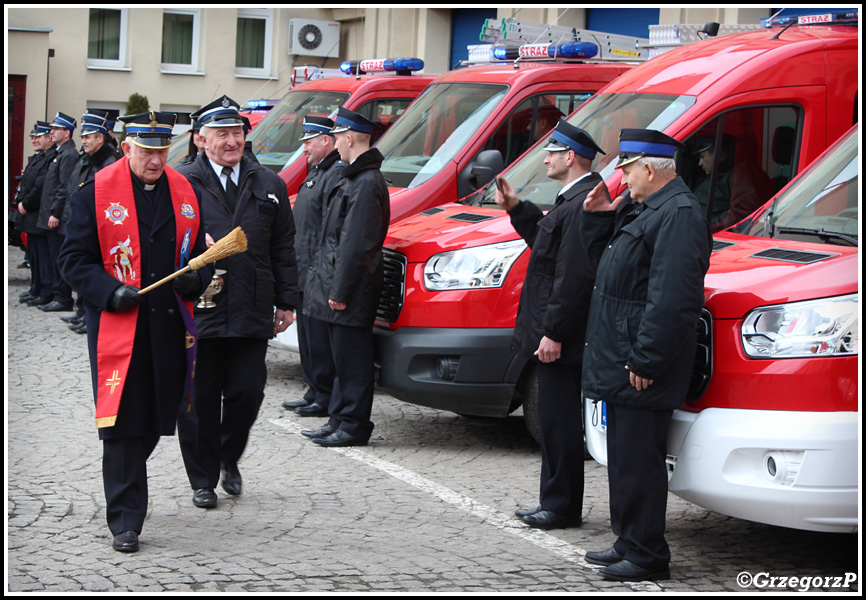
pixel 65 83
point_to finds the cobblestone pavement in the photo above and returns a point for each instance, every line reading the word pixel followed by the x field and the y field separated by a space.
pixel 426 507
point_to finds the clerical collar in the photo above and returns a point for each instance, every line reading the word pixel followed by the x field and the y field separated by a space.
pixel 149 187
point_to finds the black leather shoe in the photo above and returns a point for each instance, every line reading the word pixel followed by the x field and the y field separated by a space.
pixel 545 519
pixel 318 433
pixel 312 410
pixel 628 571
pixel 293 404
pixel 72 319
pixel 232 483
pixel 55 306
pixel 80 328
pixel 39 301
pixel 25 297
pixel 525 512
pixel 604 557
pixel 125 542
pixel 338 439
pixel 205 498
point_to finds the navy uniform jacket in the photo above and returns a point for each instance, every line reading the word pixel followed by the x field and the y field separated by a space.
pixel 157 373
pixel 313 194
pixel 648 297
pixel 350 267
pixel 555 298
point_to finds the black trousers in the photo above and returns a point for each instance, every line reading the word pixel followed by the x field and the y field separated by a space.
pixel 352 398
pixel 61 289
pixel 40 265
pixel 317 366
pixel 124 478
pixel 638 481
pixel 561 423
pixel 230 383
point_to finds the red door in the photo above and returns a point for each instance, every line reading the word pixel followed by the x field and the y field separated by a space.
pixel 15 127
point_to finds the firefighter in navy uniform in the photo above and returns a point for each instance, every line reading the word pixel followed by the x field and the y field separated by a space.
pixel 551 320
pixel 652 256
pixel 344 287
pixel 28 198
pixel 325 173
pixel 130 227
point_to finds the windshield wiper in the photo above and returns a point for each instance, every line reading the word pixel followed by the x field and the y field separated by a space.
pixel 821 233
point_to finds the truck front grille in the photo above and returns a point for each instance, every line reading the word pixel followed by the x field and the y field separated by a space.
pixel 703 368
pixel 391 300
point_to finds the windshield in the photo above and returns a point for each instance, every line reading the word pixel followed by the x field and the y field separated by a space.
pixel 821 206
pixel 179 149
pixel 276 141
pixel 434 128
pixel 603 117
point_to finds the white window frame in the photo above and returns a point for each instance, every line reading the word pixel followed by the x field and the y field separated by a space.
pixel 266 14
pixel 181 68
pixel 120 63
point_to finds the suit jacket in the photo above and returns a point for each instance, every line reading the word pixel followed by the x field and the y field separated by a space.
pixel 264 276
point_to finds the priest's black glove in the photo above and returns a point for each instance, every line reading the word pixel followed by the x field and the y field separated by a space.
pixel 188 284
pixel 125 297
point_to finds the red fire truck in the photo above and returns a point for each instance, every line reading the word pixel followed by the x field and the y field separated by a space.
pixel 769 102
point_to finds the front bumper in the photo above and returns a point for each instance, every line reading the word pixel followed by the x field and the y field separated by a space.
pixel 790 468
pixel 466 371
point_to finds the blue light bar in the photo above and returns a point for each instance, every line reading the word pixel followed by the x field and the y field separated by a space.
pixel 506 52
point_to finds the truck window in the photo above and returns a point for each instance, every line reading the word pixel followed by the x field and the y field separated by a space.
pixel 736 162
pixel 437 126
pixel 276 140
pixel 383 112
pixel 823 206
pixel 531 120
pixel 603 116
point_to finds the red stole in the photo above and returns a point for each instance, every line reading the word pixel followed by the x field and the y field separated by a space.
pixel 117 230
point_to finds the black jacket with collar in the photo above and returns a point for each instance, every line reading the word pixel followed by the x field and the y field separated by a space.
pixel 55 190
pixel 349 266
pixel 29 194
pixel 647 298
pixel 266 275
pixel 555 298
pixel 313 194
pixel 84 170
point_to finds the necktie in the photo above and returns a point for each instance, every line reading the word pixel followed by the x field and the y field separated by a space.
pixel 231 189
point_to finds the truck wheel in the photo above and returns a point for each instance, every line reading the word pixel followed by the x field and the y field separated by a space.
pixel 526 391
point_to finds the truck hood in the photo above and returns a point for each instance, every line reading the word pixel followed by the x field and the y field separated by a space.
pixel 448 227
pixel 746 272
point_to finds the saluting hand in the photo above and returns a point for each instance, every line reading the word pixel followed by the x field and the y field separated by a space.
pixel 505 194
pixel 598 200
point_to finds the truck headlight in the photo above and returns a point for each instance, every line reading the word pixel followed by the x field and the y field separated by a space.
pixel 828 327
pixel 472 268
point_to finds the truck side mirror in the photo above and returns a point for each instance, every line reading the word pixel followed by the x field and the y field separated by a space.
pixel 487 165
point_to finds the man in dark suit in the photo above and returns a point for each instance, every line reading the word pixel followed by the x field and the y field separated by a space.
pixel 257 301
pixel 131 226
pixel 551 320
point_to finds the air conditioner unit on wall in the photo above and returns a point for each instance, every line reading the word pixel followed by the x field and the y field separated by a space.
pixel 314 38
